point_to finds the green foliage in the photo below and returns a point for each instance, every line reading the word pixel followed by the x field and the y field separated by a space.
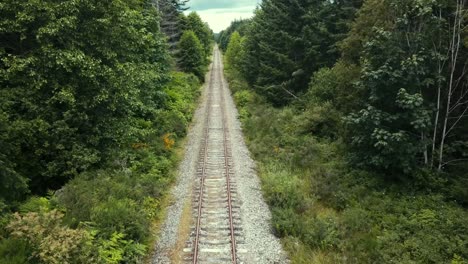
pixel 281 56
pixel 113 202
pixel 191 54
pixel 336 86
pixel 243 98
pixel 328 212
pixel 234 56
pixel 203 32
pixel 391 131
pixel 111 208
pixel 35 204
pixel 373 13
pixel 121 201
pixel 117 250
pixel 112 251
pixel 181 93
pixel 121 215
pixel 241 26
pixel 74 77
pixel 14 251
pixel 89 116
pixel 44 236
pixel 51 241
pixel 284 191
pixel 172 20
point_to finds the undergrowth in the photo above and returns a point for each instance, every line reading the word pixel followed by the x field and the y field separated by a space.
pixel 325 211
pixel 105 216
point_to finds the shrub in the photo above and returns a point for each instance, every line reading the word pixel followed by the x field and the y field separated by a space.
pixel 35 204
pixel 119 250
pixel 242 98
pixel 328 212
pixel 321 231
pixel 14 251
pixel 123 216
pixel 50 240
pixel 283 190
pixel 286 222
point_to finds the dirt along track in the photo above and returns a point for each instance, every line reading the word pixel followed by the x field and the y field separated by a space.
pixel 218 215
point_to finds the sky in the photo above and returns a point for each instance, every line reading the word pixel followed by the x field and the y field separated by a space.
pixel 219 13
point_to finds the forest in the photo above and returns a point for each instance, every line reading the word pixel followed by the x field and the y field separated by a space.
pixel 95 99
pixel 357 114
pixel 355 111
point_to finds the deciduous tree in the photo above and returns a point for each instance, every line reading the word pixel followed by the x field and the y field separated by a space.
pixel 191 54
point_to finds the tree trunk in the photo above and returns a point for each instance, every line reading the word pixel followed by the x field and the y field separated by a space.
pixel 454 50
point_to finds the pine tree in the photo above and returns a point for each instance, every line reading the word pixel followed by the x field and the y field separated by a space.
pixel 171 22
pixel 289 40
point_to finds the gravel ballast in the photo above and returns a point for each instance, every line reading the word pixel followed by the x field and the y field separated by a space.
pixel 260 245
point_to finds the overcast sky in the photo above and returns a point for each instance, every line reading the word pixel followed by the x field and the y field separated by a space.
pixel 220 13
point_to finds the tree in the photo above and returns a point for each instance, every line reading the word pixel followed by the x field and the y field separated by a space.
pixel 373 13
pixel 288 41
pixel 191 54
pixel 202 31
pixel 234 56
pixel 172 20
pixel 240 26
pixel 75 76
pixel 454 110
pixel 405 70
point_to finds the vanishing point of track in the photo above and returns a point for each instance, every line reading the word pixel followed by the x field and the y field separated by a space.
pixel 216 231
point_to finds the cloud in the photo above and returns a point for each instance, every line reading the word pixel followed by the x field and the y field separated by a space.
pixel 200 5
pixel 220 13
pixel 220 19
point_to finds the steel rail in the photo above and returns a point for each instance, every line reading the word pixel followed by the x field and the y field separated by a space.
pixel 203 176
pixel 227 171
pixel 227 166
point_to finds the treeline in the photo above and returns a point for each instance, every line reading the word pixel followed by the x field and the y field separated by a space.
pixel 91 107
pixel 357 113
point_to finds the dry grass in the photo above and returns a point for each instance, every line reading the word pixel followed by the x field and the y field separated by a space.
pixel 167 200
pixel 302 254
pixel 183 233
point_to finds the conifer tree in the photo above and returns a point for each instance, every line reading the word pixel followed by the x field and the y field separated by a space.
pixel 289 40
pixel 171 20
pixel 240 26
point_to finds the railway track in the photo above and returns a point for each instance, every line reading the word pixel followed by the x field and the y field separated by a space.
pixel 216 233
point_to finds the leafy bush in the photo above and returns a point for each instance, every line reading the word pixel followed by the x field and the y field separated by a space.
pixel 327 212
pixel 35 204
pixel 284 190
pixel 121 215
pixel 242 98
pixel 116 205
pixel 89 117
pixel 119 250
pixel 51 241
pixel 14 251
